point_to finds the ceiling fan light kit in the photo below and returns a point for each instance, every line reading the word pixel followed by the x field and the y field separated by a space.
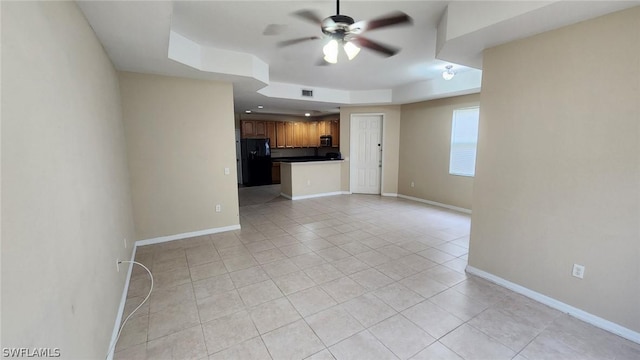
pixel 331 52
pixel 343 31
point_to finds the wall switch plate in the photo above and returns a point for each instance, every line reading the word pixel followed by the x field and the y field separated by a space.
pixel 578 271
pixel 218 208
pixel 308 182
pixel 413 184
pixel 226 171
pixel 125 243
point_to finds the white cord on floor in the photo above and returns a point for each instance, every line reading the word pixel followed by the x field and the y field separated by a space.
pixel 112 347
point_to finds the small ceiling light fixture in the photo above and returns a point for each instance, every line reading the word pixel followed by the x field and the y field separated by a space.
pixel 351 50
pixel 448 74
pixel 248 111
pixel 331 52
pixel 307 114
pixel 260 107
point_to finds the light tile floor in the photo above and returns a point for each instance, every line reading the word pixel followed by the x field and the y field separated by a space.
pixel 344 277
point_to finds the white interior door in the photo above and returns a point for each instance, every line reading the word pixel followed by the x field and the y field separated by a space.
pixel 366 153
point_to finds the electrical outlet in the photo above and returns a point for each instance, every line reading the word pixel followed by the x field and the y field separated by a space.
pixel 118 264
pixel 226 171
pixel 413 184
pixel 578 271
pixel 218 208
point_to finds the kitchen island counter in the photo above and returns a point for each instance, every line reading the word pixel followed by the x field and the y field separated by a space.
pixel 309 178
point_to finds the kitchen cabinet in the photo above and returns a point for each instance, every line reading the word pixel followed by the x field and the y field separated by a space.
pixel 322 128
pixel 335 133
pixel 248 129
pixel 261 129
pixel 270 127
pixel 288 134
pixel 280 135
pixel 298 134
pixel 313 138
pixel 253 129
pixel 275 173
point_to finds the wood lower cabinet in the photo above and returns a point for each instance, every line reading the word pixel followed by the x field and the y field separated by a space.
pixel 275 173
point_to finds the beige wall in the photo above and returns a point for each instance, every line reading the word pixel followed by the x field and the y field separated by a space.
pixel 425 146
pixel 558 167
pixel 66 202
pixel 180 137
pixel 390 143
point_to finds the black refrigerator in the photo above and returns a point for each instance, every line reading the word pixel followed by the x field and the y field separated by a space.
pixel 256 162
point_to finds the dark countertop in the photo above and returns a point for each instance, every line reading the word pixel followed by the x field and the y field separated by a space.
pixel 303 159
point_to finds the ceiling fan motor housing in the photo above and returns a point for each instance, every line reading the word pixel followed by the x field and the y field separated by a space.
pixel 337 26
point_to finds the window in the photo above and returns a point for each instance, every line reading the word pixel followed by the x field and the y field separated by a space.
pixel 464 141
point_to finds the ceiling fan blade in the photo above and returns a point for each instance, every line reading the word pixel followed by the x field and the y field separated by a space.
pixel 274 29
pixel 397 18
pixel 296 41
pixel 309 15
pixel 375 46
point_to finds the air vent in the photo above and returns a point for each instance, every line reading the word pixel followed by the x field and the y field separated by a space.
pixel 308 93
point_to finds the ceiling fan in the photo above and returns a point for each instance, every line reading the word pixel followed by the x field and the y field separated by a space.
pixel 343 30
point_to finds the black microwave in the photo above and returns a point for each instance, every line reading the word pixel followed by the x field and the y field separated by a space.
pixel 325 140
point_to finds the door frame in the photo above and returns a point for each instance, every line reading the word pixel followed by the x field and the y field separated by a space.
pixel 351 150
pixel 238 149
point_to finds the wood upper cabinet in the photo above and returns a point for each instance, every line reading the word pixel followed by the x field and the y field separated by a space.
pixel 253 129
pixel 247 129
pixel 298 134
pixel 313 138
pixel 261 129
pixel 335 133
pixel 271 132
pixel 322 128
pixel 306 134
pixel 288 134
pixel 280 135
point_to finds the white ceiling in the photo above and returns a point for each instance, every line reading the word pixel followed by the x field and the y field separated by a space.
pixel 143 36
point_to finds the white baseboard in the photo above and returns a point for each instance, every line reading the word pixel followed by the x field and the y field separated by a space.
pixel 390 194
pixel 162 239
pixel 157 240
pixel 301 197
pixel 558 305
pixel 123 301
pixel 450 207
